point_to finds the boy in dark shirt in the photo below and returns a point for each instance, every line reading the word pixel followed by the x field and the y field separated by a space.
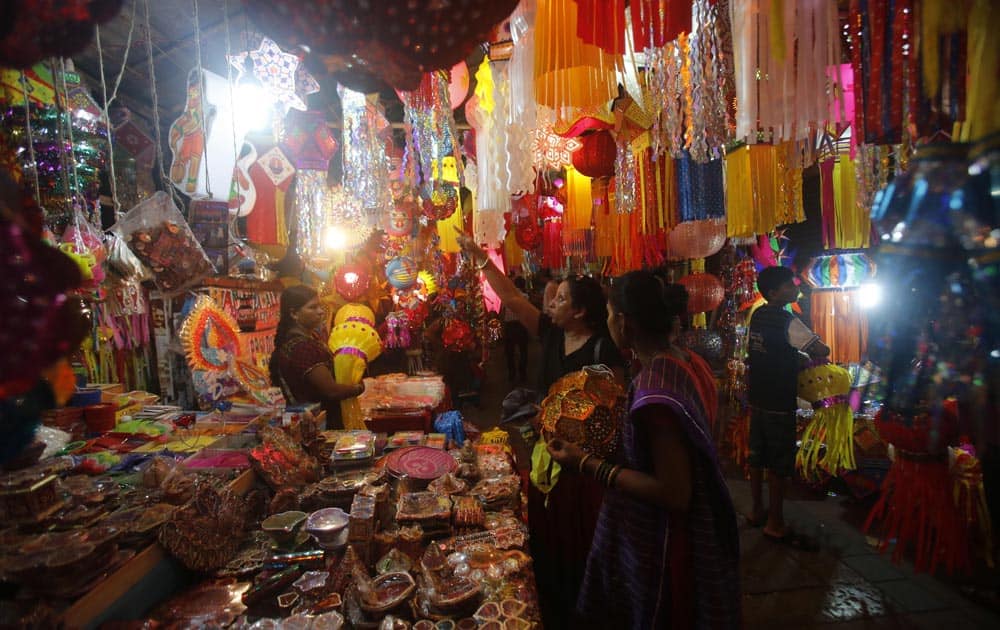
pixel 779 344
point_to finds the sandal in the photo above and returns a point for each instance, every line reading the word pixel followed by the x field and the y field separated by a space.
pixel 795 541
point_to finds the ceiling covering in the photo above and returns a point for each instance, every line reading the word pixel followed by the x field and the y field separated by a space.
pixel 173 32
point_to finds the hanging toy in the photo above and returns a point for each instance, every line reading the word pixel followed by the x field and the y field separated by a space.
pixel 457 336
pixel 397 329
pixel 826 387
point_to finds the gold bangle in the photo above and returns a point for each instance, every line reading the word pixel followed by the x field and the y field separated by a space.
pixel 613 476
pixel 483 264
pixel 583 460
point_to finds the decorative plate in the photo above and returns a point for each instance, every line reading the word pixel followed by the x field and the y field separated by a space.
pixel 421 462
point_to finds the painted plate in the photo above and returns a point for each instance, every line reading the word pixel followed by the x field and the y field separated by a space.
pixel 421 462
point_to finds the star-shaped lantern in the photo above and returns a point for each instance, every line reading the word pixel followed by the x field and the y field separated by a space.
pixel 549 150
pixel 278 72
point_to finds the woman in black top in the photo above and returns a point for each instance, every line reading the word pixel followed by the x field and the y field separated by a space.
pixel 573 333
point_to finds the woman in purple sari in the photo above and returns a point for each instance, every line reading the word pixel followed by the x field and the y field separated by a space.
pixel 666 550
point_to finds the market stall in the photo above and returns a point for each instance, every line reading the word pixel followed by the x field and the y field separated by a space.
pixel 170 169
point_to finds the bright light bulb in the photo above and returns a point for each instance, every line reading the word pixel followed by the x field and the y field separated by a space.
pixel 335 239
pixel 254 105
pixel 869 295
pixel 350 277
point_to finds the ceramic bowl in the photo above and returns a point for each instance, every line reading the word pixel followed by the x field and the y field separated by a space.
pixel 391 590
pixel 328 526
pixel 284 526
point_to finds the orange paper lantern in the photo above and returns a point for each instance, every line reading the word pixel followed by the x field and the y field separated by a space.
pixel 705 292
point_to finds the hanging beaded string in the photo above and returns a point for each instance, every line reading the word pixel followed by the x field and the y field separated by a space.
pixel 107 124
pixel 203 98
pixel 67 163
pixel 156 107
pixel 31 138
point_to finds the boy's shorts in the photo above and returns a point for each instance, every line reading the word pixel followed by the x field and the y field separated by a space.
pixel 772 441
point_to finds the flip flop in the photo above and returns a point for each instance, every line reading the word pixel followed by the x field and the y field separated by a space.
pixel 794 540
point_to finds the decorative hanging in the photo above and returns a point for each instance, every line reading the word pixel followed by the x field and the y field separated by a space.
pixel 492 189
pixel 523 110
pixel 366 163
pixel 625 176
pixel 828 441
pixel 278 72
pixel 550 150
pixel 705 292
pixel 653 22
pixel 696 239
pixel 431 138
pixel 839 271
pixel 397 42
pixel 780 60
pixel 568 72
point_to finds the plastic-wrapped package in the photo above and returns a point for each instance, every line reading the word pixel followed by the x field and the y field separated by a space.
pixel 155 230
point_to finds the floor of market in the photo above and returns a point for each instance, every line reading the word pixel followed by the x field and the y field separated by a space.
pixel 847 585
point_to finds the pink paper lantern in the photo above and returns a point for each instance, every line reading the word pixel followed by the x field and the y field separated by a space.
pixel 696 239
pixel 458 85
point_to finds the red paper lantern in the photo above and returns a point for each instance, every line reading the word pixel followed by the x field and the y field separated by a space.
pixel 696 239
pixel 705 292
pixel 596 158
pixel 352 282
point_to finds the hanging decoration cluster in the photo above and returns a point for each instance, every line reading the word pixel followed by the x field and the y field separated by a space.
pixel 366 164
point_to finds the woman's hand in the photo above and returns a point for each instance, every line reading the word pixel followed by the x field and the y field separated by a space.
pixel 469 247
pixel 566 453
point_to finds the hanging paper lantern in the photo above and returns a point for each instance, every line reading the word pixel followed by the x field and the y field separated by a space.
pixel 705 292
pixel 528 235
pixel 352 282
pixel 401 272
pixel 457 336
pixel 458 84
pixel 696 239
pixel 596 155
pixel 828 441
pixel 354 313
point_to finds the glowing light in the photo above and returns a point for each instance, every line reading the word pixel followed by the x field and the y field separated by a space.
pixel 335 239
pixel 351 277
pixel 254 105
pixel 870 295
